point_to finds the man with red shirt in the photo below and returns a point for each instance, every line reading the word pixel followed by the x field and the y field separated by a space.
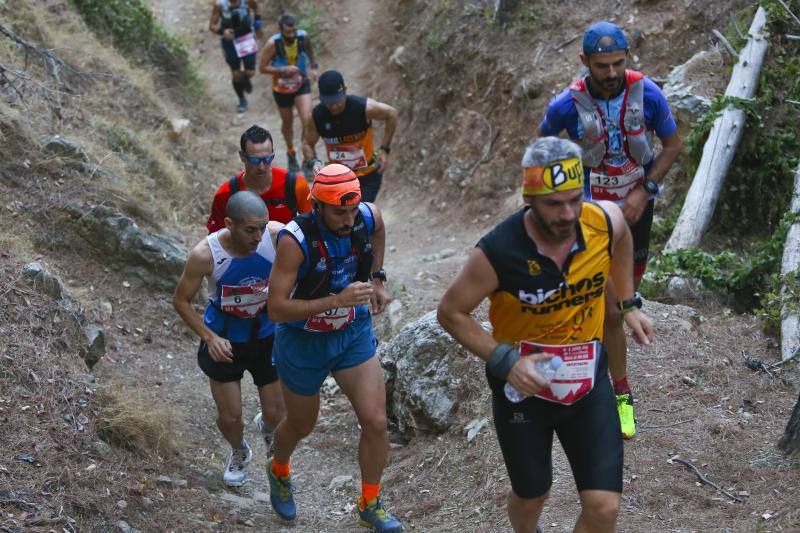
pixel 285 193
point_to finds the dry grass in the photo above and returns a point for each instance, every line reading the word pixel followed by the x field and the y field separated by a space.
pixel 130 419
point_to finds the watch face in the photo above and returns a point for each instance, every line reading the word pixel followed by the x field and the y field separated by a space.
pixel 650 186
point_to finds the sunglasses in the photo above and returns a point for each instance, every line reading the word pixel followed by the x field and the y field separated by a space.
pixel 258 160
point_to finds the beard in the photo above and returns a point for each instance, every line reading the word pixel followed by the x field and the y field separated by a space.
pixel 556 230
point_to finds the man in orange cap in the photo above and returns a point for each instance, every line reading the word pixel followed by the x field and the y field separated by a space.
pixel 326 278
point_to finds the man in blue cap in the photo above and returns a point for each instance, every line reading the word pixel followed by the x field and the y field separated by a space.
pixel 612 113
pixel 344 122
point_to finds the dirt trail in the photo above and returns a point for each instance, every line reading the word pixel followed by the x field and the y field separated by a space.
pixel 331 449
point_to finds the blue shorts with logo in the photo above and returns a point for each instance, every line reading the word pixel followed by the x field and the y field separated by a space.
pixel 304 359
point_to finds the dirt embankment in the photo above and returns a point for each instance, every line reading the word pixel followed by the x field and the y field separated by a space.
pixel 458 78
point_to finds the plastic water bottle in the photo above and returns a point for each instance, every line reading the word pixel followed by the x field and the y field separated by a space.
pixel 546 368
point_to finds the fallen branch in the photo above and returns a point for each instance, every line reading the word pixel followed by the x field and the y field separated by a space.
pixel 704 479
pixel 487 154
pixel 722 142
pixel 790 268
pixel 726 44
pixel 786 7
pixel 565 42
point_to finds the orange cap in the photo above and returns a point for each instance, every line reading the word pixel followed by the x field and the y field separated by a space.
pixel 336 184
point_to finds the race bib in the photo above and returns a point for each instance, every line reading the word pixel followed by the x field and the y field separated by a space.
pixel 245 45
pixel 614 183
pixel 331 320
pixel 575 378
pixel 289 85
pixel 244 301
pixel 351 156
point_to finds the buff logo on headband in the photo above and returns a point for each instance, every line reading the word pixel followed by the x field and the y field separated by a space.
pixel 563 175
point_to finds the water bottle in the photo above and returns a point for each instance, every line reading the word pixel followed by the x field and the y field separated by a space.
pixel 546 368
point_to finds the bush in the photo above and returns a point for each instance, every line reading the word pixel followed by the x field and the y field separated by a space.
pixel 135 32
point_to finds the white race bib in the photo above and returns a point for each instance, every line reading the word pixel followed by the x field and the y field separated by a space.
pixel 244 301
pixel 331 320
pixel 245 45
pixel 575 378
pixel 614 183
pixel 348 155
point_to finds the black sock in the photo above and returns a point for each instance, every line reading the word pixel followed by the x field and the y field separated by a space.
pixel 247 85
pixel 238 86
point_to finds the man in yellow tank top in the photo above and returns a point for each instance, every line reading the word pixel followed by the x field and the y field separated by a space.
pixel 545 270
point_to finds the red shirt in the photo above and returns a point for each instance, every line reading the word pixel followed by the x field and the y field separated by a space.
pixel 277 210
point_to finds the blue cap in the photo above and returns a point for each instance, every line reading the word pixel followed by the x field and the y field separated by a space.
pixel 598 31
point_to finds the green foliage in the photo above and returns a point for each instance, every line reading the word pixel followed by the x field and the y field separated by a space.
pixel 311 19
pixel 525 19
pixel 744 280
pixel 134 31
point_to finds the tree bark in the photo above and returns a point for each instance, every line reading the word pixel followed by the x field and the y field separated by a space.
pixel 790 442
pixel 790 317
pixel 722 142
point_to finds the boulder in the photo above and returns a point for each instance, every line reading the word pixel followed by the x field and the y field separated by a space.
pixel 155 259
pixel 691 86
pixel 43 280
pixel 418 364
pixel 95 347
pixel 62 147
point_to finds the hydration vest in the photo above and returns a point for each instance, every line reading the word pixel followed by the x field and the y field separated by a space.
pixel 282 85
pixel 637 141
pixel 290 198
pixel 317 282
pixel 236 18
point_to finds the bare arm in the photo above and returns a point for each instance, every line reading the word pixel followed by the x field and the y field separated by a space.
pixel 380 298
pixel 476 281
pixel 253 5
pixel 385 113
pixel 672 147
pixel 198 265
pixel 267 55
pixel 282 308
pixel 310 138
pixel 622 272
pixel 216 14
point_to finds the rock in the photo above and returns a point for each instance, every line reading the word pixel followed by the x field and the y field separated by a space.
pixel 176 128
pixel 147 502
pixel 95 344
pixel 691 86
pixel 122 504
pixel 100 448
pixel 180 483
pixel 528 88
pixel 238 501
pixel 680 289
pixel 340 482
pixel 421 391
pixel 397 56
pixel 123 526
pixel 60 146
pixel 395 311
pixel 43 280
pixel 438 256
pixel 105 308
pixel 689 381
pixel 329 387
pixel 155 259
pixel 164 481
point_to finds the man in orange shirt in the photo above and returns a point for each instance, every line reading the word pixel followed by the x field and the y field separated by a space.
pixel 284 192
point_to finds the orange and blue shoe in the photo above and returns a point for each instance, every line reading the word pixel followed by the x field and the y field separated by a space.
pixel 281 494
pixel 375 516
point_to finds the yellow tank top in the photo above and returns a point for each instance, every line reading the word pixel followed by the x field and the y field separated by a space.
pixel 536 301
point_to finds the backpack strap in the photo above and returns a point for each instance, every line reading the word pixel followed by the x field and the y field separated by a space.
pixel 290 194
pixel 233 185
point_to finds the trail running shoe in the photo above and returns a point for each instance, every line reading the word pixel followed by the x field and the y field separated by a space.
pixel 258 423
pixel 376 517
pixel 627 418
pixel 281 494
pixel 234 475
pixel 242 107
pixel 293 165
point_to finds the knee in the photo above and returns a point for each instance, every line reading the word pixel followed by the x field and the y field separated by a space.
pixel 602 510
pixel 527 504
pixel 237 75
pixel 249 73
pixel 375 425
pixel 230 418
pixel 301 427
pixel 274 413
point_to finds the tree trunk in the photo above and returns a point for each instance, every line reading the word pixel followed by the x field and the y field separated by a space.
pixel 721 144
pixel 790 318
pixel 502 10
pixel 790 442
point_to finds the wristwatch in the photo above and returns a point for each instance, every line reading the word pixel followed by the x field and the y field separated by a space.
pixel 650 186
pixel 380 274
pixel 626 306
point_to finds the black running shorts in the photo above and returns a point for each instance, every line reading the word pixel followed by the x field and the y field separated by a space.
pixel 588 430
pixel 254 356
pixel 287 100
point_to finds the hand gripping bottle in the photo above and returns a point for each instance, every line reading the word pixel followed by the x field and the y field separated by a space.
pixel 546 368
